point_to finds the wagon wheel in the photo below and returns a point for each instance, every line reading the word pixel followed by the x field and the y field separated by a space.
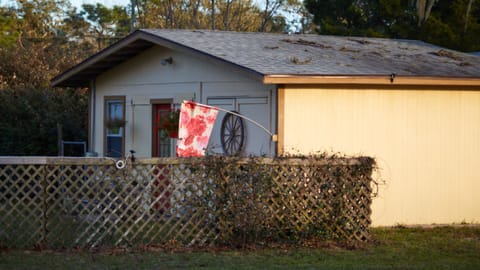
pixel 232 134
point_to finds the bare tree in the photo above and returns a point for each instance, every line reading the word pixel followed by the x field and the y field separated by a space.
pixel 467 15
pixel 424 8
pixel 270 8
pixel 226 14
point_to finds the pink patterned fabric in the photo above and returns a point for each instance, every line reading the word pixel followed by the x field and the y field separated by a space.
pixel 196 123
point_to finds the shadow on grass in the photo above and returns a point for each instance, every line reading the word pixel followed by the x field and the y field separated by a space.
pixel 393 248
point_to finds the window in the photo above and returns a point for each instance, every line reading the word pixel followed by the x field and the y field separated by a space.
pixel 114 126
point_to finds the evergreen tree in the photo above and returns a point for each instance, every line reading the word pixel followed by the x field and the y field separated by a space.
pixel 453 24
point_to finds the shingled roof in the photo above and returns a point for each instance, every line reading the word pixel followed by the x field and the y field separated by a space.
pixel 276 55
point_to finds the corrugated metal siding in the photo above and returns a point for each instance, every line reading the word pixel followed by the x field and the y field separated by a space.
pixel 427 144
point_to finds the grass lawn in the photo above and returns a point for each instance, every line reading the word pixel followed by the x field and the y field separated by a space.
pixel 394 248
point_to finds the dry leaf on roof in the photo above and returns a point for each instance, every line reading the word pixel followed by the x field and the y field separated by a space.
pixel 271 47
pixel 447 54
pixel 345 49
pixel 297 61
pixel 306 43
pixel 360 41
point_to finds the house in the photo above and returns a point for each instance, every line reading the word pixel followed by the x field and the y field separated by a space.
pixel 413 106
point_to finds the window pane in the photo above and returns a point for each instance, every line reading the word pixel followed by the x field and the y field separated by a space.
pixel 114 146
pixel 114 127
pixel 115 110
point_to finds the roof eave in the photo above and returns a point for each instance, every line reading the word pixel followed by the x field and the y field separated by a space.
pixel 201 54
pixel 68 79
pixel 371 80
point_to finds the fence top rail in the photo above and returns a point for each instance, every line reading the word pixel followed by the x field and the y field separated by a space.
pixel 37 160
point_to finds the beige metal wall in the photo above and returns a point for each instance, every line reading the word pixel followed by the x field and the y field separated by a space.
pixel 426 142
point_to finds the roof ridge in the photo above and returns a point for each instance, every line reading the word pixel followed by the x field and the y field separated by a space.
pixel 266 54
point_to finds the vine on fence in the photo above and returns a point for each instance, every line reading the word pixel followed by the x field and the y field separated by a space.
pixel 226 201
pixel 291 199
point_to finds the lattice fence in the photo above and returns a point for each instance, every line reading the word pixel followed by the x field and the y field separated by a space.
pixel 88 202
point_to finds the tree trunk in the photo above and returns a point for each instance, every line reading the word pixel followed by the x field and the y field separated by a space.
pixel 213 14
pixel 424 8
pixel 265 16
pixel 467 15
pixel 132 16
pixel 226 16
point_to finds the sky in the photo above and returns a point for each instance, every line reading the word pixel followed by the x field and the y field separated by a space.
pixel 108 3
pixel 79 3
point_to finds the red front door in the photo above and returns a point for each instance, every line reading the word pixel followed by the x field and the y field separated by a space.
pixel 162 145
